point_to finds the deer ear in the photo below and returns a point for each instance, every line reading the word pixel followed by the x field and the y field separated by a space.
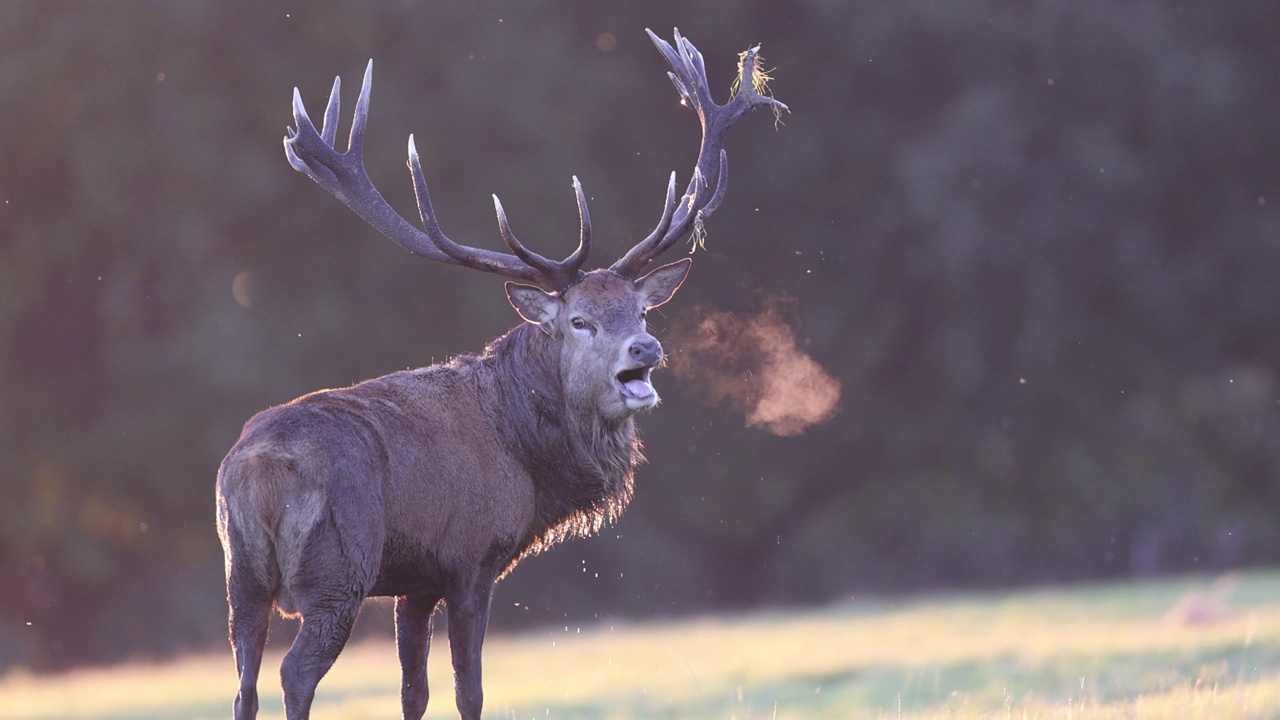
pixel 534 304
pixel 658 286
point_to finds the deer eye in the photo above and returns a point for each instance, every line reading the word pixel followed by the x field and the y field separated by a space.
pixel 643 314
pixel 578 323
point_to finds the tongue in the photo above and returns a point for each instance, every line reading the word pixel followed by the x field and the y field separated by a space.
pixel 638 389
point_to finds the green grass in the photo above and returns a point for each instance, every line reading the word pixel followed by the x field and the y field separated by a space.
pixel 1189 648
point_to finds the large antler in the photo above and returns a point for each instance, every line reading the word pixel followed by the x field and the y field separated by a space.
pixel 707 186
pixel 343 174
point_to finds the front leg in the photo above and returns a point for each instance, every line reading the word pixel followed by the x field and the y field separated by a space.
pixel 415 616
pixel 468 605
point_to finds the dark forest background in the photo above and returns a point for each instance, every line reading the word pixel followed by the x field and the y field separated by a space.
pixel 1037 244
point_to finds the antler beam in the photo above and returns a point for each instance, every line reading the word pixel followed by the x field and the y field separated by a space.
pixel 343 174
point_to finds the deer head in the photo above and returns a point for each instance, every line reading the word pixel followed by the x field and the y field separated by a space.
pixel 607 354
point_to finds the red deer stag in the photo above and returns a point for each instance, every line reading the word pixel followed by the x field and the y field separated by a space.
pixel 431 484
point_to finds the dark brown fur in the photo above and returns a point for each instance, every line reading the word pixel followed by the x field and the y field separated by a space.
pixel 582 466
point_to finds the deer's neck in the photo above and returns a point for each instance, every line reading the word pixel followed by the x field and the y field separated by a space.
pixel 582 465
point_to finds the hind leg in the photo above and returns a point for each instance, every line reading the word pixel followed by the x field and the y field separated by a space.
pixel 322 636
pixel 249 600
pixel 249 622
pixel 332 576
pixel 414 620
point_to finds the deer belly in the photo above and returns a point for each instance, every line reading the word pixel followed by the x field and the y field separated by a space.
pixel 407 569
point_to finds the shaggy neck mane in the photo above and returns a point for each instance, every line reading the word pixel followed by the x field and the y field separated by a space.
pixel 582 464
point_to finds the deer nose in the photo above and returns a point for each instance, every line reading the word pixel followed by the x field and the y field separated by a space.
pixel 646 350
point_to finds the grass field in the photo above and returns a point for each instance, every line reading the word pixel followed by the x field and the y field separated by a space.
pixel 1189 648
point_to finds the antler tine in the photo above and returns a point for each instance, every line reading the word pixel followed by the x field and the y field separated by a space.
pixel 546 266
pixel 460 254
pixel 668 209
pixel 567 271
pixel 343 174
pixel 722 184
pixel 579 255
pixel 355 143
pixel 329 130
pixel 708 183
pixel 474 258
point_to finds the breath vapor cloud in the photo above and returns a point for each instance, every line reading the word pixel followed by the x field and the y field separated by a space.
pixel 754 365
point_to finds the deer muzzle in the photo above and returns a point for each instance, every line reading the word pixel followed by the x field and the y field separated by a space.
pixel 644 353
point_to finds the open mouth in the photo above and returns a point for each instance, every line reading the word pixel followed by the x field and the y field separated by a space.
pixel 635 385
